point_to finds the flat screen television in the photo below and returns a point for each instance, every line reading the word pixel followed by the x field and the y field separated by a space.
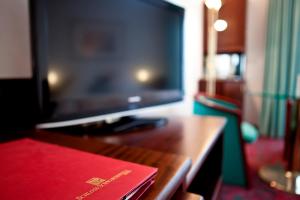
pixel 95 58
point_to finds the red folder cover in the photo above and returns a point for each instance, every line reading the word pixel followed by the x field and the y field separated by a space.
pixel 35 170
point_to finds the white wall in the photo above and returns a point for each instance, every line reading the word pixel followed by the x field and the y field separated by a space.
pixel 15 46
pixel 14 39
pixel 256 23
pixel 193 54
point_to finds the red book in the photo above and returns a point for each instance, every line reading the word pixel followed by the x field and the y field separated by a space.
pixel 35 170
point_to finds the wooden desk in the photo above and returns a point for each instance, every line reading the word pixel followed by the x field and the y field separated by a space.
pixel 199 138
pixel 187 152
pixel 172 169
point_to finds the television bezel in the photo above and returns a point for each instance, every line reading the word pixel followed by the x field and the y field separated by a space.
pixel 39 60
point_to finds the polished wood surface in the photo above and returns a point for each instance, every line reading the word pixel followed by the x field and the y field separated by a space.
pixel 196 137
pixel 179 195
pixel 172 169
pixel 192 136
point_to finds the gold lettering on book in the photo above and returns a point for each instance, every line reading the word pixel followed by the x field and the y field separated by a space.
pixel 95 181
pixel 100 183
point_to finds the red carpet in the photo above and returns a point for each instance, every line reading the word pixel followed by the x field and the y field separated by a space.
pixel 264 151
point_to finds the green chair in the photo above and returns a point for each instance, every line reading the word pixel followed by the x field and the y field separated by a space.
pixel 234 160
pixel 249 132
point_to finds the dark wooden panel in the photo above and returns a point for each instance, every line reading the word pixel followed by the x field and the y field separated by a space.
pixel 289 136
pixel 232 40
pixel 296 150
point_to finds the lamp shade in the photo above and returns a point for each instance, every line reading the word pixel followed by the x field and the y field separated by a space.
pixel 213 4
pixel 220 25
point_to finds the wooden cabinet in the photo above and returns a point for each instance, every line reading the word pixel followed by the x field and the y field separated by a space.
pixel 232 40
pixel 231 88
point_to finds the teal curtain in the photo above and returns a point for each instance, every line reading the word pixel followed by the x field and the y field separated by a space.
pixel 282 64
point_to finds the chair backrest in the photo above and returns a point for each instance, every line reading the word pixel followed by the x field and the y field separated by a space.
pixel 223 103
pixel 234 162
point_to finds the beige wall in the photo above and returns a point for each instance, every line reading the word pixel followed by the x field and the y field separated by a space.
pixel 257 11
pixel 14 39
pixel 193 51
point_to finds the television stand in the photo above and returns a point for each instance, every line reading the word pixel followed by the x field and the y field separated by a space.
pixel 124 124
pixel 131 123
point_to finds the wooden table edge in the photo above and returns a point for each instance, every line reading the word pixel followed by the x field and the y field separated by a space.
pixel 200 159
pixel 177 180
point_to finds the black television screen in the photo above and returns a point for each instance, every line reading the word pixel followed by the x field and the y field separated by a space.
pixel 96 57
